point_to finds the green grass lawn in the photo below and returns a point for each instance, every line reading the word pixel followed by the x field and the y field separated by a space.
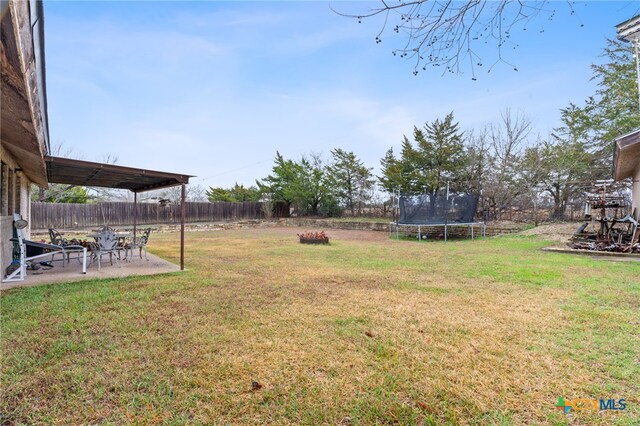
pixel 363 331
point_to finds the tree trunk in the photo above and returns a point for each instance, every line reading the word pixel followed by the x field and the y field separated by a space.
pixel 559 210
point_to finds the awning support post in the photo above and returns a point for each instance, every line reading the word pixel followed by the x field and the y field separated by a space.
pixel 182 214
pixel 135 214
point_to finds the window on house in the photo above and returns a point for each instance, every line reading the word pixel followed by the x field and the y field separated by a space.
pixel 4 189
pixel 12 191
pixel 18 193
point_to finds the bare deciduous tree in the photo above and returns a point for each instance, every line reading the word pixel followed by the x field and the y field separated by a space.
pixel 57 192
pixel 507 142
pixel 449 34
pixel 193 193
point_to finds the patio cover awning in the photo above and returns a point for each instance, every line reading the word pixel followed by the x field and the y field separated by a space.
pixel 87 173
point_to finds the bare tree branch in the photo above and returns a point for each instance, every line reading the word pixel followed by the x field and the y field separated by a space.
pixel 448 33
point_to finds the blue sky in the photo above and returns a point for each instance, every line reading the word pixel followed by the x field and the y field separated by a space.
pixel 213 89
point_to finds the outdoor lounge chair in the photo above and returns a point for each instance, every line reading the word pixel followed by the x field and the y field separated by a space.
pixel 44 250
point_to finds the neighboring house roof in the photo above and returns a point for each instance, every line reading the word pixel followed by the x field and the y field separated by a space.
pixel 629 30
pixel 24 131
pixel 626 157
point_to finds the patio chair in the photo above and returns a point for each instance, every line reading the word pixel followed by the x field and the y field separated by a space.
pixel 56 238
pixel 140 243
pixel 123 246
pixel 106 243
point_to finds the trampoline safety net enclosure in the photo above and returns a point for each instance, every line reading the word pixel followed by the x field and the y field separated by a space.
pixel 441 210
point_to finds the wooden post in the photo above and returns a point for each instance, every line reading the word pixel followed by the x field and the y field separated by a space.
pixel 135 214
pixel 182 214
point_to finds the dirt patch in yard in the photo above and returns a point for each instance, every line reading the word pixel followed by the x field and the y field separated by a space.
pixel 333 234
pixel 559 232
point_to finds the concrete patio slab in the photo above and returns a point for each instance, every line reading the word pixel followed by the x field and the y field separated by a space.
pixel 73 271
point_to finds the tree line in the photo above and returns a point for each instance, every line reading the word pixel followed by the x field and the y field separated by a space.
pixel 507 162
pixel 310 185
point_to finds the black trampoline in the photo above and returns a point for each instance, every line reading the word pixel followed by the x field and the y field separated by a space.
pixel 437 210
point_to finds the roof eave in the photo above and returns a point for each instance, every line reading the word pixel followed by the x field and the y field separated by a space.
pixel 624 146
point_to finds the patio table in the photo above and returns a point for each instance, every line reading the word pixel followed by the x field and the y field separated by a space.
pixel 118 235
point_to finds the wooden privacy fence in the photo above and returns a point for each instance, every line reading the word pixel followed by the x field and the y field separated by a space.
pixel 69 216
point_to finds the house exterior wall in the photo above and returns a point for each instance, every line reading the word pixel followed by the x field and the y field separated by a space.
pixel 635 191
pixel 21 203
pixel 24 131
pixel 5 247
